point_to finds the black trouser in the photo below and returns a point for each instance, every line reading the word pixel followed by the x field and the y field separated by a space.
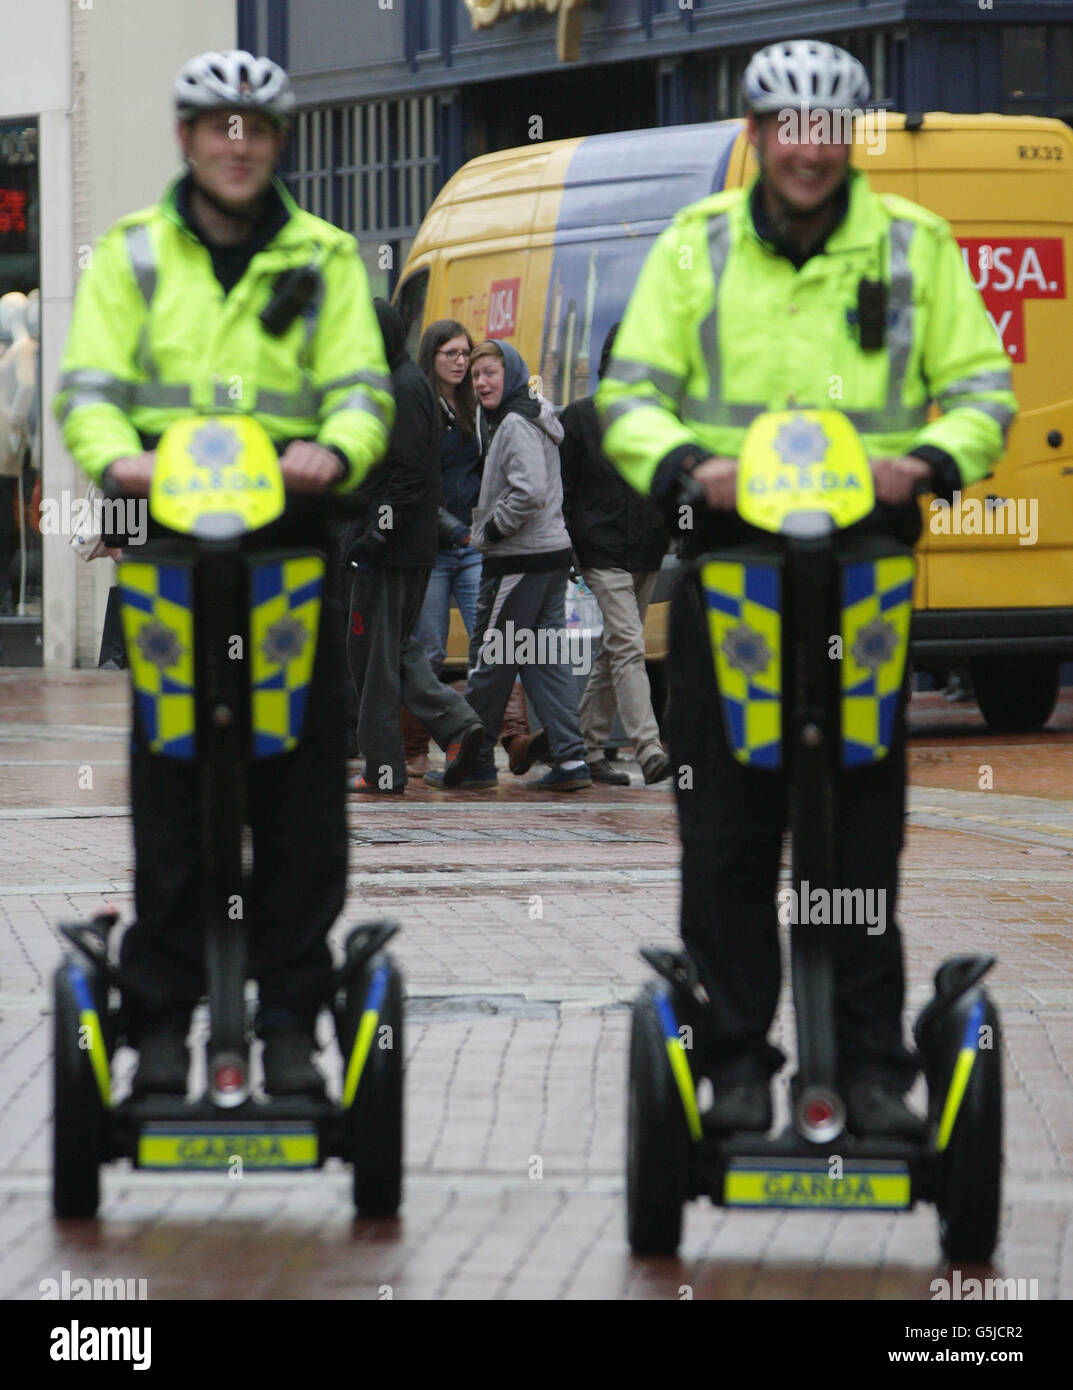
pixel 731 821
pixel 296 809
pixel 390 668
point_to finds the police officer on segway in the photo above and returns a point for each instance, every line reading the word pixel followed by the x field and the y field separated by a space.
pixel 806 289
pixel 226 297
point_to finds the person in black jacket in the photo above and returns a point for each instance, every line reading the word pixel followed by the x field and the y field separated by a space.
pixel 619 538
pixel 389 550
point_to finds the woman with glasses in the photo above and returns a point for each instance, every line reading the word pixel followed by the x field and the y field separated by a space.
pixel 444 358
pixel 443 355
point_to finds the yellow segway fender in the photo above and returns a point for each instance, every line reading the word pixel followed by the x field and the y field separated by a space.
pixel 216 476
pixel 795 461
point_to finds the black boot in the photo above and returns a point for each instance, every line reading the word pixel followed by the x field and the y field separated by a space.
pixel 876 1109
pixel 288 1056
pixel 163 1056
pixel 744 1107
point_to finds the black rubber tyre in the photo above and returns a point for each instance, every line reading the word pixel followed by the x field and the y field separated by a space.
pixel 970 1177
pixel 79 1117
pixel 1016 694
pixel 376 1116
pixel 657 1142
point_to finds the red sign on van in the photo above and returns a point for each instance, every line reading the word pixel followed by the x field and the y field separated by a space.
pixel 503 308
pixel 1010 271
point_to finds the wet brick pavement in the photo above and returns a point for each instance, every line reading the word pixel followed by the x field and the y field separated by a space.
pixel 522 915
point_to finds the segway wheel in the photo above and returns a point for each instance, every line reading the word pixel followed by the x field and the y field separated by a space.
pixel 79 1114
pixel 970 1179
pixel 376 1113
pixel 658 1143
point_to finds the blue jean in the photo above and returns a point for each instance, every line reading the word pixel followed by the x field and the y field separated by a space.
pixel 457 573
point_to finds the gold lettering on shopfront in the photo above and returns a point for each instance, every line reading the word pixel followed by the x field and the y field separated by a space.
pixel 488 12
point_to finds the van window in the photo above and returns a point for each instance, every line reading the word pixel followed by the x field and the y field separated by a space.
pixel 410 302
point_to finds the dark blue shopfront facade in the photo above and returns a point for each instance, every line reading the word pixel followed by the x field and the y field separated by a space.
pixel 397 94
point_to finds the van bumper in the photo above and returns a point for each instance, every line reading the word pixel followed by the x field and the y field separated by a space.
pixel 945 634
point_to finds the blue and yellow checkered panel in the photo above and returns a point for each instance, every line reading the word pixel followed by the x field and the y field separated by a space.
pixel 877 599
pixel 158 624
pixel 743 602
pixel 285 599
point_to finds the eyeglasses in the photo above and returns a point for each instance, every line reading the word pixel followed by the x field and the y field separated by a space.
pixel 455 353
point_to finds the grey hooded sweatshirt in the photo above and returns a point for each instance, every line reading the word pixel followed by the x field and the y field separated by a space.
pixel 522 495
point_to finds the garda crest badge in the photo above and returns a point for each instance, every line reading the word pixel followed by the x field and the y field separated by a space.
pixel 214 446
pixel 801 443
pixel 746 650
pixel 876 643
pixel 283 641
pixel 159 645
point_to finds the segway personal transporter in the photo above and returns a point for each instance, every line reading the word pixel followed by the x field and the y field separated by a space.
pixel 186 603
pixel 804 477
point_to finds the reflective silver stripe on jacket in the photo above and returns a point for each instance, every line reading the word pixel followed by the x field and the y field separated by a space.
pixel 634 373
pixel 156 396
pixel 900 329
pixel 302 404
pixel 85 379
pixel 963 395
pixel 140 251
pixel 737 415
pixel 89 386
pixel 373 379
pixel 982 381
pixel 359 400
pixel 626 406
pixel 716 411
pixel 1002 415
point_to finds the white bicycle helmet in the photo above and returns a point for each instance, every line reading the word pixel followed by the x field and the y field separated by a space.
pixel 233 81
pixel 804 72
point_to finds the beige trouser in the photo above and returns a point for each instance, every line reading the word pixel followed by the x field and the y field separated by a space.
pixel 618 674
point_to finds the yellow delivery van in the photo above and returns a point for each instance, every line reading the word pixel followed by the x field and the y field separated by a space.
pixel 541 246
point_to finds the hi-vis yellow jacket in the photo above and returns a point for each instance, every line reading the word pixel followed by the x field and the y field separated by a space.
pixel 153 338
pixel 720 328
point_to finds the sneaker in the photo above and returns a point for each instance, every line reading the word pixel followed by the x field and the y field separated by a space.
pixel 561 779
pixel 462 753
pixel 359 784
pixel 745 1107
pixel 163 1057
pixel 477 780
pixel 877 1109
pixel 600 770
pixel 656 768
pixel 288 1062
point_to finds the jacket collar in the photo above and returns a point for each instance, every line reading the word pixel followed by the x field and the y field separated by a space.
pixel 290 234
pixel 859 224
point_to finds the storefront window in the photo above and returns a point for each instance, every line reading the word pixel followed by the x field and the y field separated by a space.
pixel 20 390
pixel 1024 62
pixel 369 166
pixel 1037 70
